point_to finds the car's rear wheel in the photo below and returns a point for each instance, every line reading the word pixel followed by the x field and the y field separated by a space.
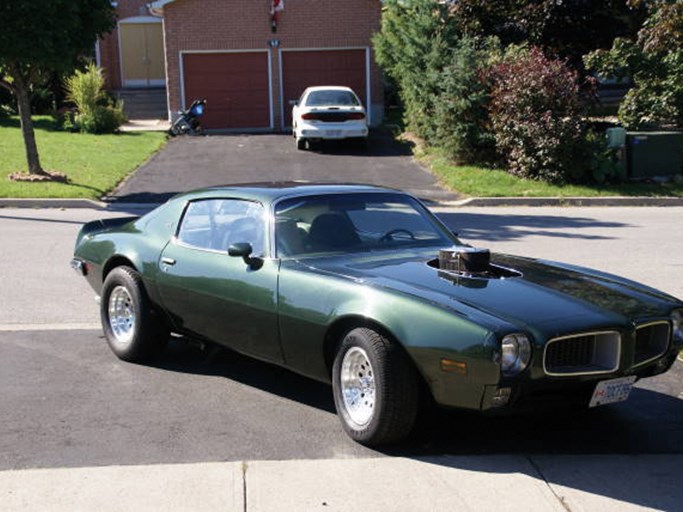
pixel 133 331
pixel 301 143
pixel 375 388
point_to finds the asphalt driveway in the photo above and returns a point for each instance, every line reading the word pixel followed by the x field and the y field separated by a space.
pixel 187 163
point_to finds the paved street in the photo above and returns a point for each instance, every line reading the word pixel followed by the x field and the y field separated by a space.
pixel 223 432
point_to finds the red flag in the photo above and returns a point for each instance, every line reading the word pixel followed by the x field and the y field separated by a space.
pixel 278 5
pixel 275 8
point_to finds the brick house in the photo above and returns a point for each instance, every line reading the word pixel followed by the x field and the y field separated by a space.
pixel 229 52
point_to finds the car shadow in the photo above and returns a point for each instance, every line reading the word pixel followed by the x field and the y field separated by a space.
pixel 152 198
pixel 379 144
pixel 500 227
pixel 185 356
pixel 651 421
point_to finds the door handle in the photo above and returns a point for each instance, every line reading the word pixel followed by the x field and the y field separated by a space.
pixel 168 261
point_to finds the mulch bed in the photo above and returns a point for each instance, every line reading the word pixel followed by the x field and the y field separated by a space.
pixel 48 176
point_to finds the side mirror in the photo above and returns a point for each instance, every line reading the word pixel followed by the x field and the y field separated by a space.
pixel 293 103
pixel 244 250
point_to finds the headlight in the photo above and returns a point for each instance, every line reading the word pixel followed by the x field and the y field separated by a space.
pixel 515 354
pixel 677 321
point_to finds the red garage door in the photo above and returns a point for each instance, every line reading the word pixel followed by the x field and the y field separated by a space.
pixel 235 85
pixel 301 69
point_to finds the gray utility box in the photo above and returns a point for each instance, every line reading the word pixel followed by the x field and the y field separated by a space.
pixel 650 154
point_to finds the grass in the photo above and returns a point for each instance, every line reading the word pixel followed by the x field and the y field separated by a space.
pixel 95 164
pixel 481 182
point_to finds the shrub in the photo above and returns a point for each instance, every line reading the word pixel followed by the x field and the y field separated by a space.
pixel 96 113
pixel 536 114
pixel 103 119
pixel 7 103
pixel 603 162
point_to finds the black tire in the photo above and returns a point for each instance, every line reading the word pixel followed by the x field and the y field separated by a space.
pixel 139 335
pixel 396 389
pixel 301 144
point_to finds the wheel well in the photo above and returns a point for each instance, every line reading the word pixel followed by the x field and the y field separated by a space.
pixel 334 336
pixel 116 261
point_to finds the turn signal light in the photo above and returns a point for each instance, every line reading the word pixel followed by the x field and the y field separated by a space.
pixel 450 366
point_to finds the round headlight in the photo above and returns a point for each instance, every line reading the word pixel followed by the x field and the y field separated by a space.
pixel 515 354
pixel 677 323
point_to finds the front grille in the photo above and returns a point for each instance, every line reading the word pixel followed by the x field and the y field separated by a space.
pixel 652 341
pixel 583 354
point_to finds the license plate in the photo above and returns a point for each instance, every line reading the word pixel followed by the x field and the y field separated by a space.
pixel 333 133
pixel 612 391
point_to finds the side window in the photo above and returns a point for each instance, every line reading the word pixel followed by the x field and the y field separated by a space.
pixel 215 224
pixel 198 225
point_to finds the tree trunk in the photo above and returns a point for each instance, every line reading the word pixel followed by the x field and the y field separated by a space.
pixel 21 92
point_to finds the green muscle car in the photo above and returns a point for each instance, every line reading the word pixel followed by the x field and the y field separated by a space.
pixel 363 287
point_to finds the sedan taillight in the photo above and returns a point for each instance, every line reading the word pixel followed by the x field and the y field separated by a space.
pixel 356 116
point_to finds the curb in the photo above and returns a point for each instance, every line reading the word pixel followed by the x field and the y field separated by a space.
pixel 74 203
pixel 469 202
pixel 565 201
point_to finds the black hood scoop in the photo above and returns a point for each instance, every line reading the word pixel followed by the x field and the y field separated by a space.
pixel 469 262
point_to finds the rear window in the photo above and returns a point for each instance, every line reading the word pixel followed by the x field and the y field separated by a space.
pixel 332 98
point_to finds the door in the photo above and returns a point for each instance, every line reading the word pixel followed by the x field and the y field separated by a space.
pixel 236 85
pixel 301 69
pixel 142 54
pixel 216 296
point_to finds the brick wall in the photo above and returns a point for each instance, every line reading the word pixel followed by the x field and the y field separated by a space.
pixel 245 24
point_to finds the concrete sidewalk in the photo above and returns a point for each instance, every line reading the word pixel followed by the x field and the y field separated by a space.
pixel 541 483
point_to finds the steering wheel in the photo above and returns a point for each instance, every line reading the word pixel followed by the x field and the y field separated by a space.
pixel 389 235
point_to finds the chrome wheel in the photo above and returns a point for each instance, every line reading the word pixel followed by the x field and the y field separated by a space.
pixel 357 382
pixel 121 315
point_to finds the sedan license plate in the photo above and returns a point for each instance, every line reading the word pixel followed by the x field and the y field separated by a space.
pixel 333 133
pixel 612 391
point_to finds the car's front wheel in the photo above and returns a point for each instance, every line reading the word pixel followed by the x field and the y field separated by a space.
pixel 133 330
pixel 375 388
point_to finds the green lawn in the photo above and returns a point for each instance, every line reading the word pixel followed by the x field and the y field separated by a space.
pixel 481 182
pixel 95 164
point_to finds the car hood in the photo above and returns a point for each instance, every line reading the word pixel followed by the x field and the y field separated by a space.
pixel 552 297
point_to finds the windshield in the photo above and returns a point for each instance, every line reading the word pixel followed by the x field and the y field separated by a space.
pixel 354 223
pixel 331 97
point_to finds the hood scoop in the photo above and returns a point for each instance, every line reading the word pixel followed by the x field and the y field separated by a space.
pixel 469 262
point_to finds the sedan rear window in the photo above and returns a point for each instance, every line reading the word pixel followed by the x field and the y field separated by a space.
pixel 331 98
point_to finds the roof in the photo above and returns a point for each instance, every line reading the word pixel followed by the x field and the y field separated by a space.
pixel 271 191
pixel 329 87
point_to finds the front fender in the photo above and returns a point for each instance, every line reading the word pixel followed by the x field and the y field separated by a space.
pixel 311 304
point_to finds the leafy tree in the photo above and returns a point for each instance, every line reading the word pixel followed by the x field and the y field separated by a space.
pixel 461 117
pixel 566 29
pixel 654 62
pixel 42 36
pixel 412 47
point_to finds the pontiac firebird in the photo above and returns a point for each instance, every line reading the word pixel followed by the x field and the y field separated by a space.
pixel 363 287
